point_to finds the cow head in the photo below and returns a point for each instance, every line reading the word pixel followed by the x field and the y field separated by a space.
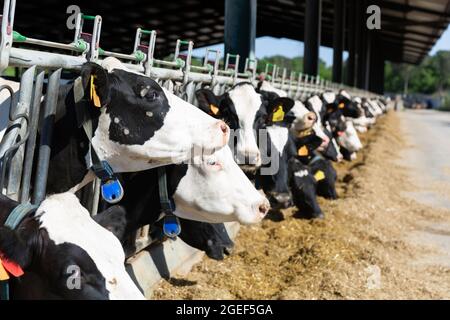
pixel 65 254
pixel 241 108
pixel 212 238
pixel 214 189
pixel 141 125
pixel 349 108
pixel 349 139
pixel 304 118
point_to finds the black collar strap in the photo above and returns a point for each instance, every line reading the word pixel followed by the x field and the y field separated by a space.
pixel 171 224
pixel 111 188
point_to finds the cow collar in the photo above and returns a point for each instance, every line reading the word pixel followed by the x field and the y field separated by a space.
pixel 171 223
pixel 7 267
pixel 111 188
pixel 316 158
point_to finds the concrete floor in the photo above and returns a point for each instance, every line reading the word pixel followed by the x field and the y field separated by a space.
pixel 428 133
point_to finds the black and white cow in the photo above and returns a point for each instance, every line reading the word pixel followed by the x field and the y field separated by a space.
pixel 64 254
pixel 304 189
pixel 242 109
pixel 278 146
pixel 211 189
pixel 137 125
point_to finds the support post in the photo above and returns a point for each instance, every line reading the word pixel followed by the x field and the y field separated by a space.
pixel 338 39
pixel 312 37
pixel 240 29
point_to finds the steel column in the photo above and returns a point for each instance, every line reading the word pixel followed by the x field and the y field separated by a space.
pixel 313 16
pixel 338 39
pixel 240 29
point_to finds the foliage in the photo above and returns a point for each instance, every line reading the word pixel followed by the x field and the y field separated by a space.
pixel 432 75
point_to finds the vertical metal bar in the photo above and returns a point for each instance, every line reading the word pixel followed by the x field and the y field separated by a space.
pixel 29 152
pixel 312 36
pixel 19 129
pixel 51 101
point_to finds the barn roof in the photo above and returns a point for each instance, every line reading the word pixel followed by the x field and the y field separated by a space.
pixel 409 28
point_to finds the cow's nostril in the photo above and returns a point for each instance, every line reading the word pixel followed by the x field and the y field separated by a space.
pixel 264 208
pixel 223 127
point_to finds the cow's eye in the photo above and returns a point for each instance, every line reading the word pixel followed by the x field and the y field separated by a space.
pixel 213 164
pixel 152 96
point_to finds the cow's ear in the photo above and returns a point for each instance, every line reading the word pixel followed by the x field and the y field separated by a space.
pixel 96 83
pixel 278 108
pixel 16 247
pixel 113 219
pixel 208 102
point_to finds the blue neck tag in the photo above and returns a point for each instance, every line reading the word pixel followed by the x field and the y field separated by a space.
pixel 171 226
pixel 112 191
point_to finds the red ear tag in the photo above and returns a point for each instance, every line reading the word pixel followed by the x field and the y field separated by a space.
pixel 12 267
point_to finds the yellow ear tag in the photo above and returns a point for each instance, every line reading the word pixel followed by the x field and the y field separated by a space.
pixel 214 109
pixel 278 115
pixel 341 105
pixel 3 274
pixel 303 151
pixel 94 96
pixel 319 175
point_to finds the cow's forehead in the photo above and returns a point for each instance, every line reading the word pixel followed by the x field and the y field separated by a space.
pixel 329 97
pixel 246 102
pixel 315 102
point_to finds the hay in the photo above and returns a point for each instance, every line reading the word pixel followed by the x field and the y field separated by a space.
pixel 299 259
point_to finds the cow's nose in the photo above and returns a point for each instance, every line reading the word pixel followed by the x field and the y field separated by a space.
pixel 225 131
pixel 223 127
pixel 311 116
pixel 264 207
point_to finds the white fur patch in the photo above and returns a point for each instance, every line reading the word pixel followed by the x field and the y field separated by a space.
pixel 329 96
pixel 301 173
pixel 345 94
pixel 316 103
pixel 66 221
pixel 267 86
pixel 279 137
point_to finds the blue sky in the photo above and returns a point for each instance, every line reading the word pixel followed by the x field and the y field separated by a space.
pixel 268 46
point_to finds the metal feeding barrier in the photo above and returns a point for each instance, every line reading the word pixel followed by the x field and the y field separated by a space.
pixel 179 74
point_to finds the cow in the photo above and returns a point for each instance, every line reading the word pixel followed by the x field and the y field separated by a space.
pixel 63 253
pixel 279 147
pixel 211 189
pixel 241 108
pixel 303 187
pixel 325 175
pixel 136 125
pixel 350 141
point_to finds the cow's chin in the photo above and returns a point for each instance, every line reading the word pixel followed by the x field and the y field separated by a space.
pixel 241 214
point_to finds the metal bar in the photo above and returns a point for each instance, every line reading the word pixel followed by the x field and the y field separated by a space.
pixel 312 36
pixel 31 143
pixel 51 101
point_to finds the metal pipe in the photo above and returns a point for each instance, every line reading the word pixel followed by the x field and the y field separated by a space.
pixel 51 101
pixel 31 143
